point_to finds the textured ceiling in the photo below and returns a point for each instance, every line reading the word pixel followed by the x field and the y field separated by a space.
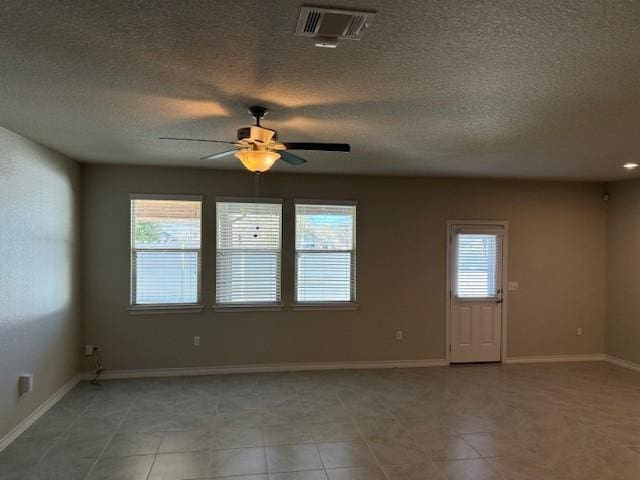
pixel 547 89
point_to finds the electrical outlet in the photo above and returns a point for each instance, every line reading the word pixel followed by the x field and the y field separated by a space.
pixel 399 335
pixel 88 350
pixel 579 331
pixel 513 286
pixel 196 341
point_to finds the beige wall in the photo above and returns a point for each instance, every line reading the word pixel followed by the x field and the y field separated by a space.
pixel 557 253
pixel 39 296
pixel 623 271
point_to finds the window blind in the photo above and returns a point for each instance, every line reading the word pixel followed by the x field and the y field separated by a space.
pixel 476 265
pixel 165 251
pixel 325 253
pixel 248 251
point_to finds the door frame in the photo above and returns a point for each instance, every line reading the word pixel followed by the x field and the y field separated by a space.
pixel 505 284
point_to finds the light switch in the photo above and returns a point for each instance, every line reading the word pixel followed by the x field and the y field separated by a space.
pixel 513 286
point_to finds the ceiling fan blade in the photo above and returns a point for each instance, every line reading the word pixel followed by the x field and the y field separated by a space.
pixel 290 158
pixel 327 147
pixel 215 156
pixel 196 140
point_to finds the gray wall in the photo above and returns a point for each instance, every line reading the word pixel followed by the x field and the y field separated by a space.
pixel 39 270
pixel 557 253
pixel 623 271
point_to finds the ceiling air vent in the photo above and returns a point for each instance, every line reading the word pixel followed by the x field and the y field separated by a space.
pixel 329 25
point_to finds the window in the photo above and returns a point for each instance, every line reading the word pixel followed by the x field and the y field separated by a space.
pixel 248 252
pixel 165 250
pixel 477 265
pixel 325 253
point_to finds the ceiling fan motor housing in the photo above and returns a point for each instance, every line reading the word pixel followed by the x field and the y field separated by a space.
pixel 254 132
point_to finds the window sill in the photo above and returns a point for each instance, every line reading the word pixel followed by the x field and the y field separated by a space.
pixel 254 307
pixel 325 306
pixel 164 309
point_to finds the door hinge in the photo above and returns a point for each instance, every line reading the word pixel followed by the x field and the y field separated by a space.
pixel 449 348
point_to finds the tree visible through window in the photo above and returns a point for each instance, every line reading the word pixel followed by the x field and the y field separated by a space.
pixel 325 253
pixel 165 251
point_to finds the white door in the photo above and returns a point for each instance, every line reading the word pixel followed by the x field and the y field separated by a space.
pixel 476 293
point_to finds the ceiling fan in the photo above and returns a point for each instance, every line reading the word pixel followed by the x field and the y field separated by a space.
pixel 258 148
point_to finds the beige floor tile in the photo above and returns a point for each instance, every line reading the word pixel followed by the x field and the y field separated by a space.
pixel 335 432
pixel 443 446
pixel 357 473
pixel 263 476
pixel 421 471
pixel 193 441
pixel 225 437
pixel 239 418
pixel 306 475
pixel 603 464
pixel 289 458
pixel 495 444
pixel 522 468
pixel 397 453
pixel 287 434
pixel 170 466
pixel 346 454
pixel 238 461
pixel 131 468
pixel 125 444
pixel 581 421
pixel 471 469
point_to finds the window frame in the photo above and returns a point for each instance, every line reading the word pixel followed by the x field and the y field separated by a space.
pixel 248 306
pixel 154 308
pixel 329 304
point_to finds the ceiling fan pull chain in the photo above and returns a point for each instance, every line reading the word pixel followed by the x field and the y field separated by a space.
pixel 256 184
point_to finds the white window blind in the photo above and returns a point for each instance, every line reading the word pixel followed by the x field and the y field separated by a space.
pixel 165 251
pixel 325 253
pixel 477 265
pixel 248 251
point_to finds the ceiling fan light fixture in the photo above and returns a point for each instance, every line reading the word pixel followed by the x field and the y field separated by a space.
pixel 257 161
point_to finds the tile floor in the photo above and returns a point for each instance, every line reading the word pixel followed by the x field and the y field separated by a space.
pixel 480 422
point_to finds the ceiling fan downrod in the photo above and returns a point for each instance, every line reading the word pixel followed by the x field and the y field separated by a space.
pixel 258 112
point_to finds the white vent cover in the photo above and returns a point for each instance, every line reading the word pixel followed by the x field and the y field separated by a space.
pixel 330 25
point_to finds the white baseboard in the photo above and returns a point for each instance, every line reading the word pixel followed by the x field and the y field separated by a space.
pixel 623 363
pixel 37 413
pixel 278 367
pixel 598 357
